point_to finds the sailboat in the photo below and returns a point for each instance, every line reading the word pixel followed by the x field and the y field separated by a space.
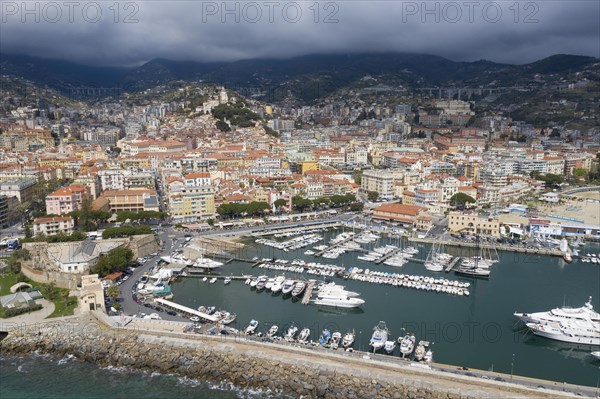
pixel 477 266
pixel 432 263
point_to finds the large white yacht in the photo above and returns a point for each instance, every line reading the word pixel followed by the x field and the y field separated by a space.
pixel 576 332
pixel 334 289
pixel 338 300
pixel 564 314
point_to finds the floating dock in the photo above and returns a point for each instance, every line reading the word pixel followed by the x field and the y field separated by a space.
pixel 308 293
pixel 302 227
pixel 337 244
pixel 387 256
pixel 452 264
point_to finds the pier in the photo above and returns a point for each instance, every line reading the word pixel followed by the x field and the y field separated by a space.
pixel 202 275
pixel 299 228
pixel 337 244
pixel 387 256
pixel 189 312
pixel 498 247
pixel 452 264
pixel 308 293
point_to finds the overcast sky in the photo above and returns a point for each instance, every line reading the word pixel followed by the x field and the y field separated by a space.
pixel 138 31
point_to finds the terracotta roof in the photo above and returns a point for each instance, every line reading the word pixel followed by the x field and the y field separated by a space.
pixel 197 175
pixel 401 209
pixel 52 219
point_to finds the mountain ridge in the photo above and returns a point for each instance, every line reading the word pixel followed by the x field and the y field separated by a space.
pixel 325 72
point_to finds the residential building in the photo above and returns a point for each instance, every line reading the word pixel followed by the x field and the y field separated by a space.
pixel 66 199
pixel 380 181
pixel 471 223
pixel 22 189
pixel 132 200
pixel 53 225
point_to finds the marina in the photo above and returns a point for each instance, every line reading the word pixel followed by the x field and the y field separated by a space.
pixel 433 318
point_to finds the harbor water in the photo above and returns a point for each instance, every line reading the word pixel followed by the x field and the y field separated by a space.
pixel 478 331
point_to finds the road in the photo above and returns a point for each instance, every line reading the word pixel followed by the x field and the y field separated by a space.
pixel 172 240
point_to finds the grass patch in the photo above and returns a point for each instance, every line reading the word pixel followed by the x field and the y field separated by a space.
pixel 6 281
pixel 64 304
pixel 64 308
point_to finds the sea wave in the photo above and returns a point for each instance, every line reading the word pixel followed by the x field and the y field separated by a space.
pixel 65 359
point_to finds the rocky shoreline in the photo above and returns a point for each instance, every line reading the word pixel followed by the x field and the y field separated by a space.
pixel 241 363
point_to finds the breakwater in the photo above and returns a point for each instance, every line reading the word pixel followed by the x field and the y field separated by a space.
pixel 290 370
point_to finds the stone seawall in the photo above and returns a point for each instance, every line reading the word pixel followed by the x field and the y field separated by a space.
pixel 292 371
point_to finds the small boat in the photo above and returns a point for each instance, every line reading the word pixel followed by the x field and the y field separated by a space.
pixel 253 282
pixel 421 350
pixel 348 339
pixel 428 356
pixel 568 257
pixel 272 331
pixel 309 252
pixel 227 281
pixel 407 344
pixel 226 317
pixel 298 288
pixel 389 346
pixel 379 337
pixel 291 333
pixel 207 309
pixel 288 286
pixel 251 327
pixel 205 279
pixel 325 337
pixel 336 337
pixel 262 282
pixel 212 280
pixel 304 334
pixel 596 354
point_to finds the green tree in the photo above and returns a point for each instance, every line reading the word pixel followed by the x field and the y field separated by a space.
pixel 211 222
pixel 222 126
pixel 459 200
pixel 357 176
pixel 85 218
pixel 116 260
pixel 113 292
pixel 372 196
pixel 301 203
pixel 280 202
pixel 580 172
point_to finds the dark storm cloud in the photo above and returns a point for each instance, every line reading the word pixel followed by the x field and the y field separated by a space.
pixel 135 32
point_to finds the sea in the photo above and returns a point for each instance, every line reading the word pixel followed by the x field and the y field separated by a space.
pixel 478 331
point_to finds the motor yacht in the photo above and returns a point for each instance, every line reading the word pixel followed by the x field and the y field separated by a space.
pixel 251 327
pixel 379 337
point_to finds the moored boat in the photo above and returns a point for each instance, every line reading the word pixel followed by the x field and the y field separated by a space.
pixel 273 331
pixel 379 337
pixel 291 333
pixel 288 286
pixel 407 344
pixel 304 334
pixel 348 339
pixel 251 327
pixel 421 350
pixel 325 337
pixel 299 288
pixel 389 346
pixel 336 337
